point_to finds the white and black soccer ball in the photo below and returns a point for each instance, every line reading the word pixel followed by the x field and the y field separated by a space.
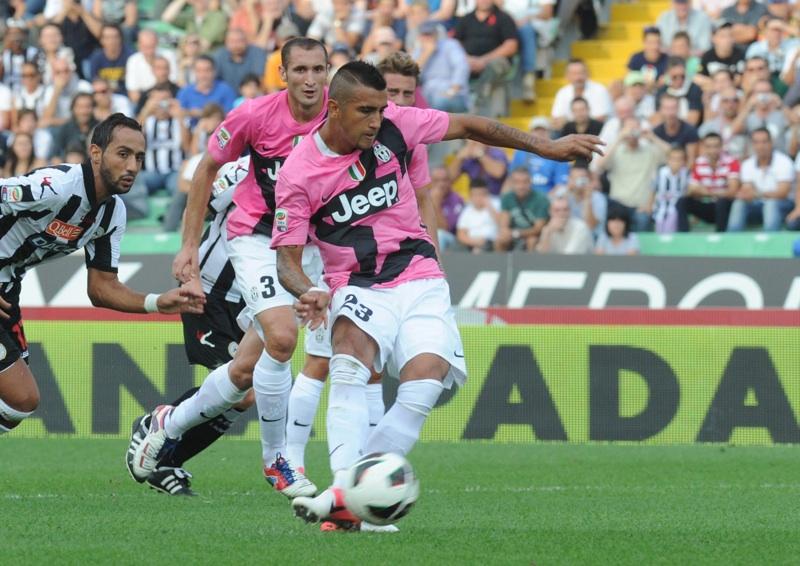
pixel 381 488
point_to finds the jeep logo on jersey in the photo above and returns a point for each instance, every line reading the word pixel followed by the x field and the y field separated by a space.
pixel 382 152
pixel 364 200
pixel 63 231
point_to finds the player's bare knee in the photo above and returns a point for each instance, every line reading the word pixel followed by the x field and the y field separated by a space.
pixel 349 339
pixel 425 366
pixel 241 373
pixel 280 344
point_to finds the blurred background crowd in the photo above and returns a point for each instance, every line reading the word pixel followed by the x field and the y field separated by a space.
pixel 702 125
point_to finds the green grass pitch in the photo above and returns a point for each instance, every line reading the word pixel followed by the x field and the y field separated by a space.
pixel 72 502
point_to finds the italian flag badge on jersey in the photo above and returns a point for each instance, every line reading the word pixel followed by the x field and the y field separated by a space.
pixel 357 171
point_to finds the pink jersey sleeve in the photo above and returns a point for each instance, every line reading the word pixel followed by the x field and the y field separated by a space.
pixel 419 126
pixel 292 214
pixel 232 135
pixel 418 171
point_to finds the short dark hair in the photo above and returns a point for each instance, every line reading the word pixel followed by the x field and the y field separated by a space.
pixel 651 30
pixel 618 213
pixel 205 58
pixel 722 26
pixel 478 183
pixel 712 136
pixel 305 43
pixel 77 97
pixel 399 63
pixel 249 78
pixel 761 130
pixel 353 74
pixel 682 35
pixel 104 131
pixel 676 62
pixel 521 169
pixel 678 147
pixel 115 27
pixel 579 99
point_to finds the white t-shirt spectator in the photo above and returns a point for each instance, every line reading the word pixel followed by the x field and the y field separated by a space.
pixel 478 223
pixel 780 170
pixel 5 105
pixel 139 75
pixel 595 94
pixel 520 9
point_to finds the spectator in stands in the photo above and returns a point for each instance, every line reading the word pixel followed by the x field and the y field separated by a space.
pixel 61 94
pixel 121 13
pixel 31 93
pixel 477 226
pixel 21 158
pixel 161 71
pixel 52 46
pixel 75 154
pixel 689 95
pixel 631 166
pixel 623 110
pixel 793 218
pixel 723 55
pixel 489 36
pixel 191 48
pixel 198 17
pixel 712 8
pixel 16 52
pixel 536 25
pixel 139 69
pixel 341 53
pixel 734 143
pixel 448 205
pixel 774 47
pixel 445 70
pixel 789 75
pixel 793 134
pixel 272 81
pixel 236 59
pixel 108 62
pixel 681 46
pixel 617 238
pixel 670 185
pixel 379 44
pixel 582 123
pixel 384 15
pixel 650 61
pixel 6 107
pixel 107 102
pixel 745 15
pixel 544 173
pixel 206 89
pixel 673 130
pixel 28 123
pixel 577 75
pixel 78 128
pixel 763 109
pixel 259 20
pixel 721 81
pixel 585 202
pixel 211 116
pixel 682 17
pixel 767 182
pixel 563 233
pixel 635 94
pixel 249 88
pixel 166 137
pixel 523 213
pixel 479 161
pixel 713 184
pixel 339 22
pixel 755 69
pixel 81 30
pixel 419 12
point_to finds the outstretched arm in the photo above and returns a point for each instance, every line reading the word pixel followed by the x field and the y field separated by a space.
pixel 492 132
pixel 106 290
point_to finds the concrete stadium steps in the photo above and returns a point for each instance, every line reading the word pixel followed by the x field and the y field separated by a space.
pixel 601 49
pixel 646 12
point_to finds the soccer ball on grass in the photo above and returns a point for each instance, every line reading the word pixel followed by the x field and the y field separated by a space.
pixel 381 488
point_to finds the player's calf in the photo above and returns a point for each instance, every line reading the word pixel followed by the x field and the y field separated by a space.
pixel 19 395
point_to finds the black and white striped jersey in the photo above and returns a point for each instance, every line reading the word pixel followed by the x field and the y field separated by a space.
pixel 164 153
pixel 216 270
pixel 53 211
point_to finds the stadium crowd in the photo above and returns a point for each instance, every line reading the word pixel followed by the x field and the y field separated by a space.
pixel 702 126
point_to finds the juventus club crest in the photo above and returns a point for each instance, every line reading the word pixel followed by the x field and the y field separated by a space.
pixel 382 153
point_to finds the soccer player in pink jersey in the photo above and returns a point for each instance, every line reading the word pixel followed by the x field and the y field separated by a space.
pixel 347 187
pixel 269 127
pixel 401 73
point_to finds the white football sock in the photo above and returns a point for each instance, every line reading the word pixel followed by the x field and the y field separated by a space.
pixel 272 382
pixel 303 404
pixel 399 429
pixel 348 418
pixel 215 396
pixel 375 404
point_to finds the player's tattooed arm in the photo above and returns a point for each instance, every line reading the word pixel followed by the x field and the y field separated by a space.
pixel 492 132
pixel 312 303
pixel 290 270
